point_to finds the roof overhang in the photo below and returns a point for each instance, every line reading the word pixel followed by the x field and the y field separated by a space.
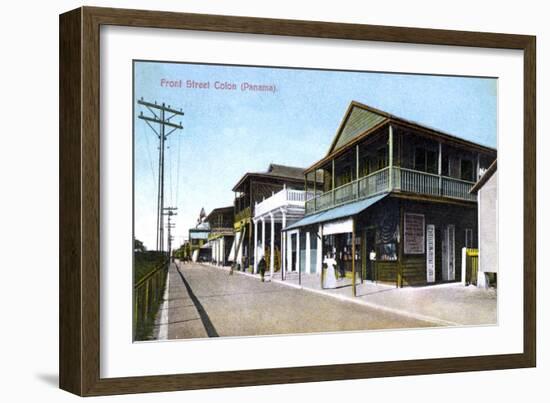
pixel 486 176
pixel 385 119
pixel 337 213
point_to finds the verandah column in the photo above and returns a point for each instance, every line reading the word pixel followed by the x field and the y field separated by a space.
pixel 390 156
pixel 298 251
pixel 255 246
pixel 308 252
pixel 222 249
pixel 439 168
pixel 353 279
pixel 283 246
pixel 289 251
pixel 272 246
pixel 263 236
pixel 319 261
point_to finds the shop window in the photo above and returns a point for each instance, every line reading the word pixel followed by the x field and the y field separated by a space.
pixel 386 235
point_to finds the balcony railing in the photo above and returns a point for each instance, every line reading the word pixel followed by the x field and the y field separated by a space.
pixel 402 179
pixel 244 213
pixel 284 198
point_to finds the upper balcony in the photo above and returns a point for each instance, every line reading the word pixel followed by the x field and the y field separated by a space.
pixel 285 198
pixel 389 179
pixel 397 159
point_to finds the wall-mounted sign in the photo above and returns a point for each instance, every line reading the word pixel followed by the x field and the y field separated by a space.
pixel 338 227
pixel 430 253
pixel 414 234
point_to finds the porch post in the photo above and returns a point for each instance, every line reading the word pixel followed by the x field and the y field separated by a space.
pixel 333 194
pixel 390 159
pixel 314 191
pixel 222 242
pixel 283 246
pixel 255 246
pixel 353 287
pixel 236 250
pixel 439 170
pixel 289 251
pixel 298 251
pixel 215 248
pixel 319 261
pixel 263 237
pixel 272 251
pixel 308 252
pixel 357 170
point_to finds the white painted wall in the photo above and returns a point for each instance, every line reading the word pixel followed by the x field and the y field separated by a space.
pixel 488 226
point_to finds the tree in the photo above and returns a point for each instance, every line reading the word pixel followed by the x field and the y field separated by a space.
pixel 139 246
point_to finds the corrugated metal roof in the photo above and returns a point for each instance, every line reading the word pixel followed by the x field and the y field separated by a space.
pixel 347 210
pixel 283 172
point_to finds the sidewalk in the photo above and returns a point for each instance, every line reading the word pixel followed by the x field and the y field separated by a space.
pixel 450 304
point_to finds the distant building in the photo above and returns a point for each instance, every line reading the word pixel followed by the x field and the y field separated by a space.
pixel 487 201
pixel 221 234
pixel 394 204
pixel 198 238
pixel 253 188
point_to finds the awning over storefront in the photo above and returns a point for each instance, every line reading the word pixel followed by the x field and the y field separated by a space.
pixel 347 210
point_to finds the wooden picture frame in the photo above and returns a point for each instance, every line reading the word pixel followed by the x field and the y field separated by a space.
pixel 79 316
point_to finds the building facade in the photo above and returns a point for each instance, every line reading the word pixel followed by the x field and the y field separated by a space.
pixel 198 239
pixel 487 198
pixel 276 246
pixel 221 234
pixel 253 188
pixel 394 204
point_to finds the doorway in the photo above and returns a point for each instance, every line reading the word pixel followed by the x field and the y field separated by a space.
pixel 448 253
pixel 370 272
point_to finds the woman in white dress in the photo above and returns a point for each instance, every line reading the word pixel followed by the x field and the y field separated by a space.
pixel 330 276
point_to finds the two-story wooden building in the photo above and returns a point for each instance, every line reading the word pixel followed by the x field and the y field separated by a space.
pixel 394 205
pixel 221 234
pixel 198 239
pixel 253 188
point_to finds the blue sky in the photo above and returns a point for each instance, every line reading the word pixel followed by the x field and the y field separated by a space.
pixel 229 132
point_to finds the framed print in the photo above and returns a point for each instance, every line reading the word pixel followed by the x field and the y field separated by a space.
pixel 249 201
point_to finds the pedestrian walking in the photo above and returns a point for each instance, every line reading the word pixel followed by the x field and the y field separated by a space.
pixel 261 267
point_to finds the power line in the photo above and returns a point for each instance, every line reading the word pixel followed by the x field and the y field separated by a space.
pixel 147 146
pixel 159 117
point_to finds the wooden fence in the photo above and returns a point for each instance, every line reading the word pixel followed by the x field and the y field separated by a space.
pixel 148 293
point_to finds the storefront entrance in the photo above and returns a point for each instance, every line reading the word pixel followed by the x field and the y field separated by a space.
pixel 448 253
pixel 369 254
pixel 341 246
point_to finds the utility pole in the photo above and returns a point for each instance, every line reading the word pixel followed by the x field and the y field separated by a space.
pixel 170 211
pixel 159 117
